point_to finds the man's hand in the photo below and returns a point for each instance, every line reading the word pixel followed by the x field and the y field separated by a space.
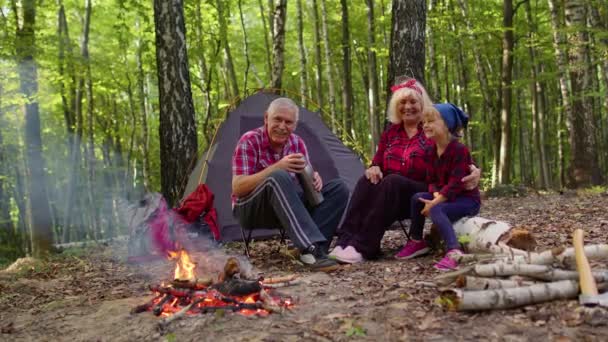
pixel 294 162
pixel 472 180
pixel 317 182
pixel 374 174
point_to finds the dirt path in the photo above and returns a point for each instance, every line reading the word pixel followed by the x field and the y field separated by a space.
pixel 87 296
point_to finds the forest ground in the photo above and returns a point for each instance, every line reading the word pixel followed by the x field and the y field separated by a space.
pixel 86 295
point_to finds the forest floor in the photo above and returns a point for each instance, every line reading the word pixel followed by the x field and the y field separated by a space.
pixel 86 295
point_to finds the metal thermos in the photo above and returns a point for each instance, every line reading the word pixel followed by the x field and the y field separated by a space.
pixel 312 197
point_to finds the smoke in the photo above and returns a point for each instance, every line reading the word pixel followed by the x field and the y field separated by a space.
pixel 154 230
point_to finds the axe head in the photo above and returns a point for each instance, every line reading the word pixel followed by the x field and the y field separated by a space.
pixel 594 300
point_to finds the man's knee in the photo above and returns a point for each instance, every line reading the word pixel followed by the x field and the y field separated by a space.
pixel 280 175
pixel 337 189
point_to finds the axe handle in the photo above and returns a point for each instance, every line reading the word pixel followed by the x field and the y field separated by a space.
pixel 587 282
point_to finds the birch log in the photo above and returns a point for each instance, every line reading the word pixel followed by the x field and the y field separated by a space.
pixel 497 237
pixel 477 283
pixel 542 272
pixel 457 299
pixel 558 256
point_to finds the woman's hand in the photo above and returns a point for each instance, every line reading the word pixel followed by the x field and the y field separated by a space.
pixel 472 180
pixel 374 174
pixel 428 204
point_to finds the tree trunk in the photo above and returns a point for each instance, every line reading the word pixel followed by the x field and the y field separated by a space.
pixel 504 175
pixel 143 109
pixel 232 82
pixel 6 224
pixel 584 169
pixel 348 78
pixel 536 90
pixel 41 224
pixel 562 67
pixel 372 92
pixel 433 85
pixel 266 42
pixel 407 53
pixel 302 51
pixel 278 44
pixel 318 62
pixel 330 80
pixel 177 129
pixel 245 46
pixel 205 75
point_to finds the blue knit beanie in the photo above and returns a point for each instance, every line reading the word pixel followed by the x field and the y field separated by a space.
pixel 453 117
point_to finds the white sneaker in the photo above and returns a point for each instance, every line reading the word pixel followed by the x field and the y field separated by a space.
pixel 349 255
pixel 308 259
pixel 336 250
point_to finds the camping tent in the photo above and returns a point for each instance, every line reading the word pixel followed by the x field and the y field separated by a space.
pixel 327 154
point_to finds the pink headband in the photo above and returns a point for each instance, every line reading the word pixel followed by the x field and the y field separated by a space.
pixel 411 83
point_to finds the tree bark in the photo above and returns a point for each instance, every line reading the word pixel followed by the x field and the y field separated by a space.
pixel 562 67
pixel 278 44
pixel 221 13
pixel 584 169
pixel 245 46
pixel 560 256
pixel 536 90
pixel 372 71
pixel 509 298
pixel 407 53
pixel 41 222
pixel 433 86
pixel 266 42
pixel 318 62
pixel 470 283
pixel 302 52
pixel 143 109
pixel 6 224
pixel 504 175
pixel 347 73
pixel 177 129
pixel 330 80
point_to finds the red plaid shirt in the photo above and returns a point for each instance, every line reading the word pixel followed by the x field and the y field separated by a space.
pixel 253 153
pixel 445 173
pixel 397 153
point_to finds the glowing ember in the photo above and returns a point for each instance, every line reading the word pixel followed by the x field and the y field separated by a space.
pixel 184 268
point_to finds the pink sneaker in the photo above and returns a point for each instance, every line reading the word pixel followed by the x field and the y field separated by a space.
pixel 349 255
pixel 337 250
pixel 448 263
pixel 413 249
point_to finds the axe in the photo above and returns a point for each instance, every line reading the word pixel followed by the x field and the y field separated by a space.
pixel 589 295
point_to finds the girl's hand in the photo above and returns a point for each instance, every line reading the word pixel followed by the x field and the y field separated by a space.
pixel 428 204
pixel 374 174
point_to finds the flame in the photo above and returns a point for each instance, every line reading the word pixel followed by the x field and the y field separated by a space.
pixel 184 269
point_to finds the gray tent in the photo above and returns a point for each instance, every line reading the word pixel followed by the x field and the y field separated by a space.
pixel 328 156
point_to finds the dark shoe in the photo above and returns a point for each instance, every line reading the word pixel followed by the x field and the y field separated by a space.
pixel 315 258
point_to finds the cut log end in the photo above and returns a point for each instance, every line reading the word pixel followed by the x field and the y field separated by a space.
pixel 520 238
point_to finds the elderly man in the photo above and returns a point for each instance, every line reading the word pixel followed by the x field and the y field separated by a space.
pixel 266 193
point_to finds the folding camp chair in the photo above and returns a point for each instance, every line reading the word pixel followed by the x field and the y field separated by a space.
pixel 404 230
pixel 247 239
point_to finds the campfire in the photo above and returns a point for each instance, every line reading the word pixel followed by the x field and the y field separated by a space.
pixel 188 295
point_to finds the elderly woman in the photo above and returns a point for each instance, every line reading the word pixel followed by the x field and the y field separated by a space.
pixel 397 172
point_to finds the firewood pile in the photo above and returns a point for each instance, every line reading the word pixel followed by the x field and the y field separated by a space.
pixel 499 276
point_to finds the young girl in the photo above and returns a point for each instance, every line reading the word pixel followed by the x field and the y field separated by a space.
pixel 447 199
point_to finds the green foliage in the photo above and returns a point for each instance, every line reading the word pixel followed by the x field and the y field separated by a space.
pixel 356 331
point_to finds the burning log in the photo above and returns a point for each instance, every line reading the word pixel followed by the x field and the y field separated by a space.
pixel 238 287
pixel 232 269
pixel 143 307
pixel 196 284
pixel 178 315
pixel 158 308
pixel 275 280
pixel 268 303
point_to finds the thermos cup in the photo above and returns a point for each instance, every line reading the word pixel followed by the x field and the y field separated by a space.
pixel 313 198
